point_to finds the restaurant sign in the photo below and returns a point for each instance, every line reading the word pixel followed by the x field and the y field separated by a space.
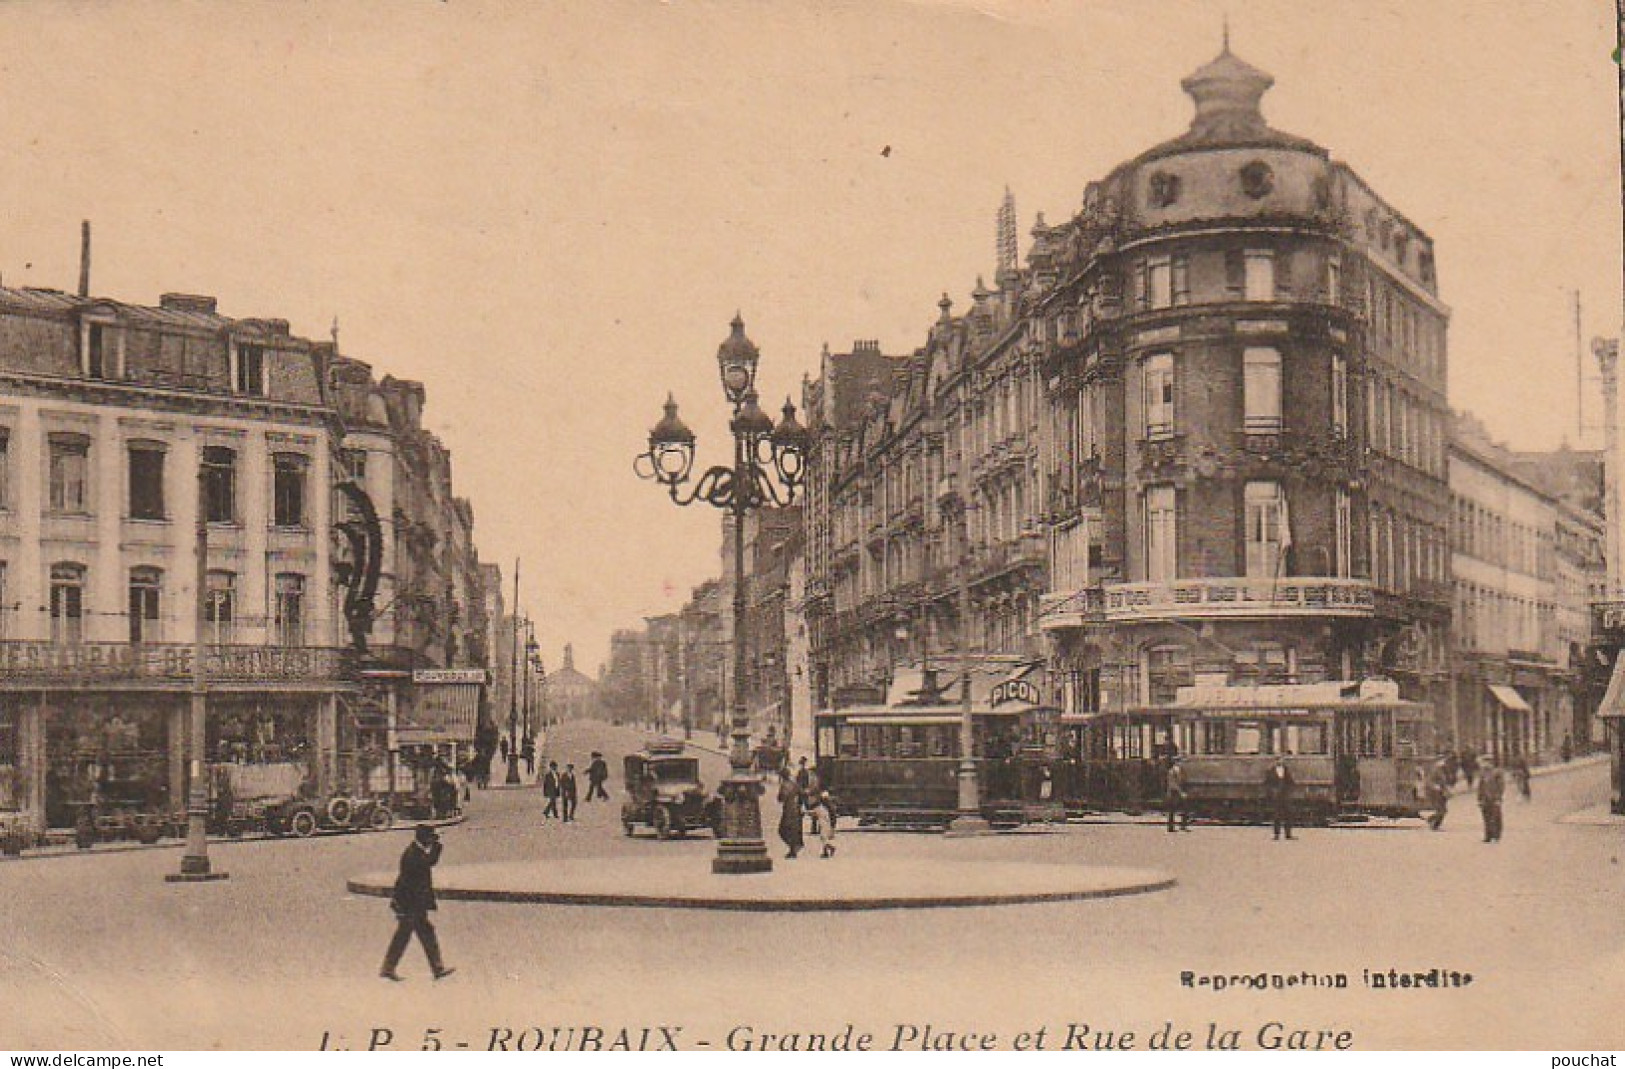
pixel 449 675
pixel 86 662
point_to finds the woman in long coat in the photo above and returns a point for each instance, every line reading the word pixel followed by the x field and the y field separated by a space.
pixel 790 814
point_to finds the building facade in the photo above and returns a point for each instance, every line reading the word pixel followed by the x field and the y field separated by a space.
pixel 1245 350
pixel 123 426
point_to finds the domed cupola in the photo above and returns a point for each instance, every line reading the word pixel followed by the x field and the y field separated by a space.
pixel 1227 92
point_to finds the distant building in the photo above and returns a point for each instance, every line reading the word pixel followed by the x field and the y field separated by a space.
pixel 567 694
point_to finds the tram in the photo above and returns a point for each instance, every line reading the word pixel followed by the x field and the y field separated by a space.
pixel 898 763
pixel 1354 749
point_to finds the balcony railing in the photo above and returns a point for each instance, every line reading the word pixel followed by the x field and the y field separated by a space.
pixel 159 662
pixel 1239 598
pixel 1071 608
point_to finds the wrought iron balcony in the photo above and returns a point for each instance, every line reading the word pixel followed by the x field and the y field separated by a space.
pixel 1239 598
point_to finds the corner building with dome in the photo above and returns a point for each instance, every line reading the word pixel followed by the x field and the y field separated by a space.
pixel 1244 355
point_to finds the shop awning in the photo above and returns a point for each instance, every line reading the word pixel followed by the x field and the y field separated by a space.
pixel 1613 700
pixel 1509 698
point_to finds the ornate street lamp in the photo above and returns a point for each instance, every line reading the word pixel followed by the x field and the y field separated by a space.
pixel 769 465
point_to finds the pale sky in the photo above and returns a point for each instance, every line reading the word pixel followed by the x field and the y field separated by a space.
pixel 548 213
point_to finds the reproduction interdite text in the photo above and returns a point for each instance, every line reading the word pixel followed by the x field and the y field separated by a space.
pixel 913 1036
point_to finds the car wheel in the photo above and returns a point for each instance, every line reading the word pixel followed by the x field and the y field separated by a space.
pixel 304 824
pixel 627 824
pixel 381 819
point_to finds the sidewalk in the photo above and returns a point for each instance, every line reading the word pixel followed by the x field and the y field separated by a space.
pixel 69 849
pixel 1540 772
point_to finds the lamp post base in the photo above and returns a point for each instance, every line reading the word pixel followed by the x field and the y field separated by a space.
pixel 195 870
pixel 967 824
pixel 512 779
pixel 741 850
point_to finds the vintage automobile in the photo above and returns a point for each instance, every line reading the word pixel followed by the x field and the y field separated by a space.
pixel 663 791
pixel 304 817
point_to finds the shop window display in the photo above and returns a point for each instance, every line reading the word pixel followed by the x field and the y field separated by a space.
pixel 106 761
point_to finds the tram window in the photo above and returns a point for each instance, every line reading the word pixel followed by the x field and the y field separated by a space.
pixel 937 741
pixel 1213 737
pixel 871 741
pixel 826 741
pixel 846 740
pixel 1249 739
pixel 907 744
pixel 1304 739
pixel 1405 740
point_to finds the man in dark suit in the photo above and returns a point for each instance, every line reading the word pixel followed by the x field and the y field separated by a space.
pixel 1278 790
pixel 412 901
pixel 567 791
pixel 551 789
pixel 597 774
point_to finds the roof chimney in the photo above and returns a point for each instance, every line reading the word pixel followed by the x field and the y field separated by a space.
pixel 84 258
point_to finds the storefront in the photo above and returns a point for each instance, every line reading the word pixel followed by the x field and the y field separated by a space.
pixel 101 729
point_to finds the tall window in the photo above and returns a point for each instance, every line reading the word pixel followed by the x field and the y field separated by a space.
pixel 67 604
pixel 289 478
pixel 1340 395
pixel 96 351
pixel 220 607
pixel 1345 534
pixel 5 468
pixel 146 480
pixel 1159 282
pixel 1159 395
pixel 70 473
pixel 1259 279
pixel 355 465
pixel 251 369
pixel 290 609
pixel 146 585
pixel 1334 279
pixel 1266 529
pixel 1261 391
pixel 220 484
pixel 1161 535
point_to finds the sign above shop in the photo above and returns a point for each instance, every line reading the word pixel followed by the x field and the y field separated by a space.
pixel 449 675
pixel 1015 690
pixel 79 663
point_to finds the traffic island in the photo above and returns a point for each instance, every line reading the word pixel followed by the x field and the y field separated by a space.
pixel 807 884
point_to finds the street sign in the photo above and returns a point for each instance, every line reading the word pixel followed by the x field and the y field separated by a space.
pixel 449 675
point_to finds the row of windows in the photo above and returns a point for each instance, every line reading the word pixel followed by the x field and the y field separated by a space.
pixel 69 477
pixel 69 605
pixel 1249 275
pixel 1261 398
pixel 1489 536
pixel 1267 532
pixel 1493 621
pixel 1403 427
pixel 1406 553
pixel 1402 329
pixel 100 358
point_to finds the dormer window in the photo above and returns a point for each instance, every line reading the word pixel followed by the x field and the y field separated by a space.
pixel 251 370
pixel 98 353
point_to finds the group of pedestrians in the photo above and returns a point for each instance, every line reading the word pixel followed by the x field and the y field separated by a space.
pixel 1278 793
pixel 802 796
pixel 562 793
pixel 1486 776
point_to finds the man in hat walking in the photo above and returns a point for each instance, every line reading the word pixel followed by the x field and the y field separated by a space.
pixel 597 774
pixel 412 901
